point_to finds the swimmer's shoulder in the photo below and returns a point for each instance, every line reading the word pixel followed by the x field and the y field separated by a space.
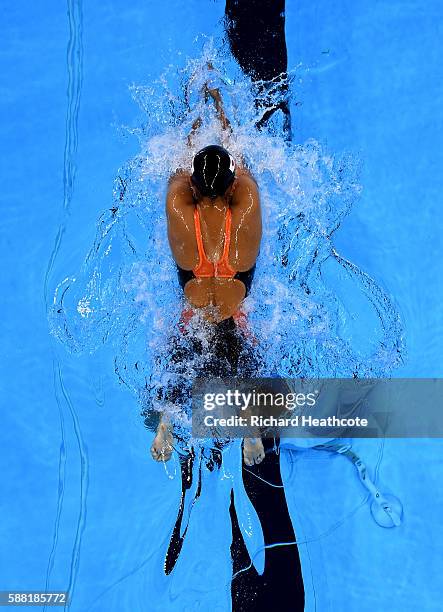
pixel 179 192
pixel 243 173
pixel 246 188
pixel 179 179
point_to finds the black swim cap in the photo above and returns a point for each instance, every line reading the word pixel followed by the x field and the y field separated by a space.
pixel 213 171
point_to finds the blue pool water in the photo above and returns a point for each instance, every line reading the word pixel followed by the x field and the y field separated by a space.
pixel 83 507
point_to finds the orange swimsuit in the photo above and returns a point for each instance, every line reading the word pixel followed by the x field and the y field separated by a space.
pixel 220 268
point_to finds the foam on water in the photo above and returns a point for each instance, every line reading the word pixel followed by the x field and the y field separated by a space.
pixel 301 308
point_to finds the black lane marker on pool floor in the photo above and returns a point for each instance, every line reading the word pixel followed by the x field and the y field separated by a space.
pixel 256 35
pixel 176 541
pixel 281 585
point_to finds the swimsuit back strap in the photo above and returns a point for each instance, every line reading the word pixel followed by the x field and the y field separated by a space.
pixel 204 268
pixel 223 269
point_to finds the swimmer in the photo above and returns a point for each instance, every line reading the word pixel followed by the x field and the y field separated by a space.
pixel 214 230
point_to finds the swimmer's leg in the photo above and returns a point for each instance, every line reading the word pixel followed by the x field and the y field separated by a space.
pixel 173 393
pixel 229 348
pixel 162 445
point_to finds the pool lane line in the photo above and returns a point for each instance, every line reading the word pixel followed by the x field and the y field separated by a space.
pixel 74 63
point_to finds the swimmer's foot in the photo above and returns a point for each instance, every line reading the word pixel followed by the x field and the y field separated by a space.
pixel 161 449
pixel 253 451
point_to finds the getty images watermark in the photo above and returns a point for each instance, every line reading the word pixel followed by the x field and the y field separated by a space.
pixel 324 408
pixel 245 402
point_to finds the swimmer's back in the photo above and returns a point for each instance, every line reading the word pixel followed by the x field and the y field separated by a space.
pixel 246 227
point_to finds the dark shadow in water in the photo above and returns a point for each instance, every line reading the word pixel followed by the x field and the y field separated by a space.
pixel 176 542
pixel 281 585
pixel 256 35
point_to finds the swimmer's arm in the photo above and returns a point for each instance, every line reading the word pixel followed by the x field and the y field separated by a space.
pixel 221 114
pixel 226 125
pixel 216 96
pixel 218 102
pixel 194 128
pixel 179 215
pixel 246 211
